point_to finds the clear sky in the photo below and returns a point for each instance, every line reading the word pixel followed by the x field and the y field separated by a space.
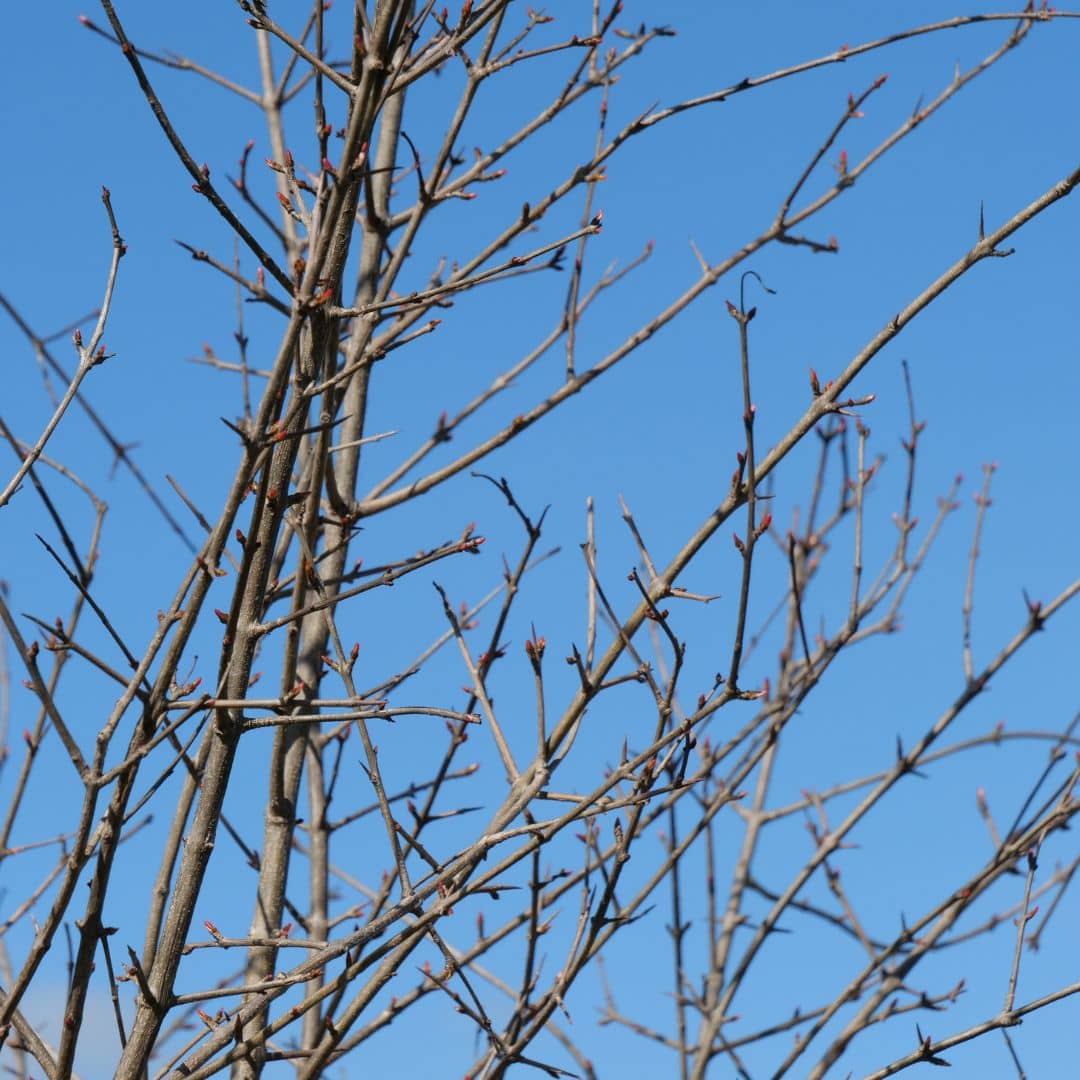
pixel 994 368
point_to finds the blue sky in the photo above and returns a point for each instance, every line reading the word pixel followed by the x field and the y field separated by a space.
pixel 994 367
